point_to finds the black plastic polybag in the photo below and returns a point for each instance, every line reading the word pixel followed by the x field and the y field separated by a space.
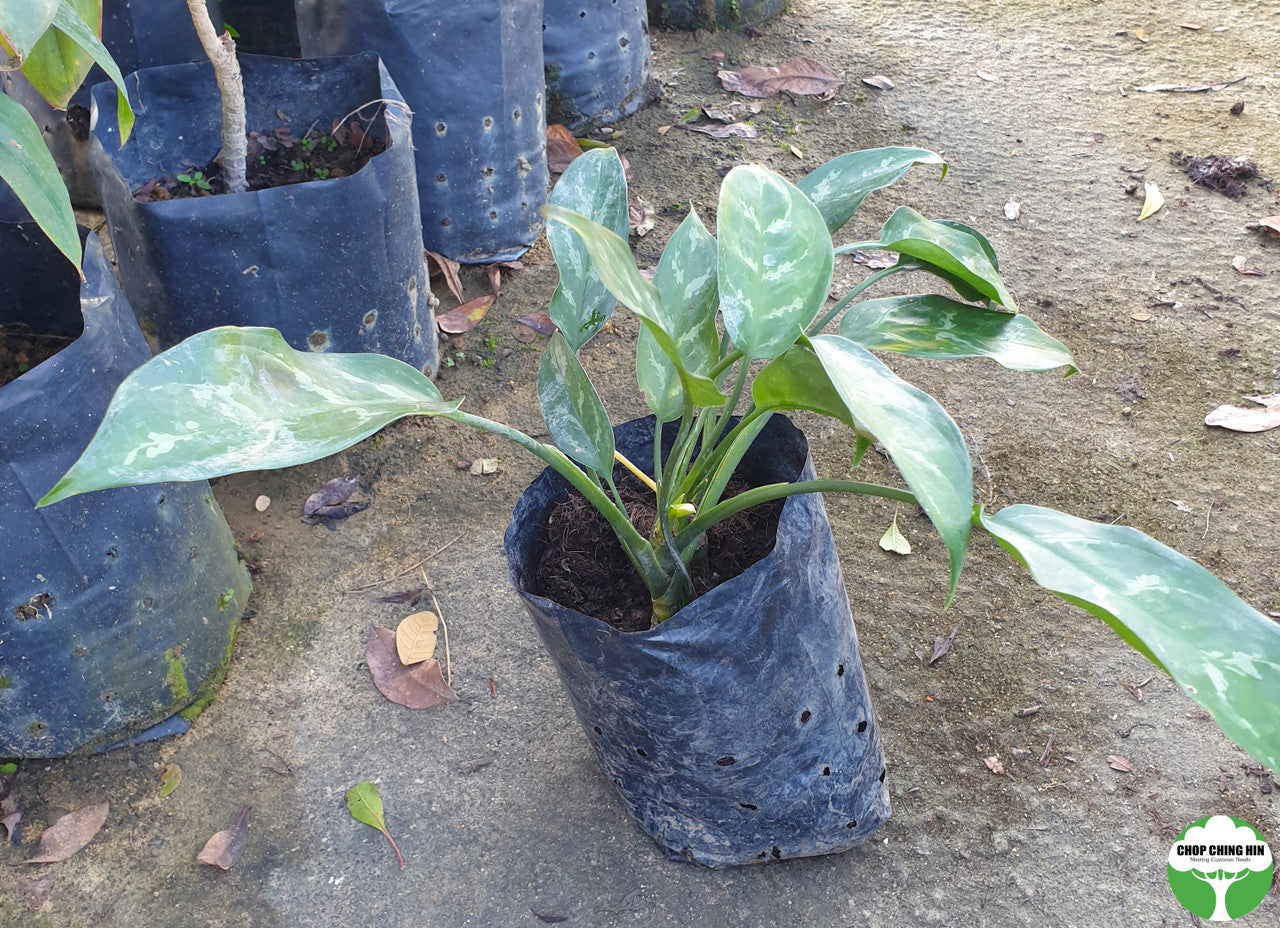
pixel 335 265
pixel 597 60
pixel 710 14
pixel 472 73
pixel 740 730
pixel 117 608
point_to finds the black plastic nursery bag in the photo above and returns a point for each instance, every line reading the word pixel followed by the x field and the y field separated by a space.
pixel 472 73
pixel 740 730
pixel 597 60
pixel 710 14
pixel 335 265
pixel 117 608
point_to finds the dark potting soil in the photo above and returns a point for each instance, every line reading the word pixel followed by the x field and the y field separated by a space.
pixel 276 159
pixel 585 568
pixel 21 350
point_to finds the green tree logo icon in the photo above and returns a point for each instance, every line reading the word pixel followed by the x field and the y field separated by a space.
pixel 1220 868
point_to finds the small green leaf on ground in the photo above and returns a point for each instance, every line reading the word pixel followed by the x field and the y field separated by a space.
pixel 365 805
pixel 893 540
pixel 170 777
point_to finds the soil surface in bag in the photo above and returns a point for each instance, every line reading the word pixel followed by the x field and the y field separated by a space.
pixel 22 349
pixel 275 159
pixel 585 567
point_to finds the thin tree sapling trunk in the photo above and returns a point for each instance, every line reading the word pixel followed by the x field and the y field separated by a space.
pixel 221 50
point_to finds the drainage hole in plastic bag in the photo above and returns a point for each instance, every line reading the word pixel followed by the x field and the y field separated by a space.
pixel 862 726
pixel 777 853
pixel 805 716
pixel 853 824
pixel 726 761
pixel 882 771
pixel 840 670
pixel 642 753
pixel 596 729
pixel 826 771
pixel 748 806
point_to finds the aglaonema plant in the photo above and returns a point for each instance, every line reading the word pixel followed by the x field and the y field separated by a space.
pixel 751 298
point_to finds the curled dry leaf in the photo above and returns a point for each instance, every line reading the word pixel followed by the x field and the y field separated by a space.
pixel 729 112
pixel 1154 200
pixel 467 316
pixel 893 540
pixel 483 467
pixel 539 322
pixel 640 216
pixel 993 764
pixel 1119 762
pixel 1260 418
pixel 562 148
pixel 739 129
pixel 35 890
pixel 70 833
pixel 1270 222
pixel 878 81
pixel 416 637
pixel 875 260
pixel 449 268
pixel 1241 265
pixel 421 686
pixel 802 76
pixel 225 847
pixel 334 493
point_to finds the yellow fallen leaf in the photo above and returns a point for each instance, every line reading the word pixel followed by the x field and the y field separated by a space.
pixel 170 777
pixel 893 540
pixel 795 151
pixel 1153 202
pixel 416 637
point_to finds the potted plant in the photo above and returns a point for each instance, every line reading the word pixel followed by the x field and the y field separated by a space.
pixel 742 775
pixel 331 256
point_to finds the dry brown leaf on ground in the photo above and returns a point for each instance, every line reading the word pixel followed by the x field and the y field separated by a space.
pixel 70 833
pixel 562 148
pixel 1119 762
pixel 1261 418
pixel 467 316
pixel 494 273
pixel 225 847
pixel 739 129
pixel 335 492
pixel 878 81
pixel 640 216
pixel 1241 266
pixel 416 637
pixel 802 76
pixel 1270 222
pixel 449 268
pixel 539 322
pixel 418 687
pixel 35 890
pixel 993 764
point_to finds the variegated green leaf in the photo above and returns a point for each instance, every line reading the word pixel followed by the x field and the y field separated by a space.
pixel 796 379
pixel 775 261
pixel 956 252
pixel 233 399
pixel 925 444
pixel 1222 652
pixel 572 409
pixel 23 22
pixel 612 260
pixel 593 186
pixel 686 283
pixel 937 327
pixel 839 186
pixel 29 169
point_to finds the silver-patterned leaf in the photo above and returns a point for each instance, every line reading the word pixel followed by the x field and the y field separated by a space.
pixel 572 409
pixel 775 261
pixel 954 250
pixel 594 186
pixel 235 399
pixel 839 186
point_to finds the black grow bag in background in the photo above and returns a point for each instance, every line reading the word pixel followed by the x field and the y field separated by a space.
pixel 117 608
pixel 472 74
pixel 710 14
pixel 740 730
pixel 139 34
pixel 597 60
pixel 335 265
pixel 263 27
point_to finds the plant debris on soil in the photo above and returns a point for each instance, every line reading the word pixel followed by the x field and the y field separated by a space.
pixel 583 559
pixel 1218 172
pixel 21 350
pixel 276 158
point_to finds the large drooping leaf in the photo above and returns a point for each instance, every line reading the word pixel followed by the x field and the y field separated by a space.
pixel 234 399
pixel 612 260
pixel 956 251
pixel 839 186
pixel 925 444
pixel 593 186
pixel 22 22
pixel 937 327
pixel 775 261
pixel 572 409
pixel 29 169
pixel 61 59
pixel 686 283
pixel 1221 651
pixel 796 379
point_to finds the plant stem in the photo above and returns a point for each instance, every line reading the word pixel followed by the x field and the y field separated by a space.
pixel 849 297
pixel 756 495
pixel 221 50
